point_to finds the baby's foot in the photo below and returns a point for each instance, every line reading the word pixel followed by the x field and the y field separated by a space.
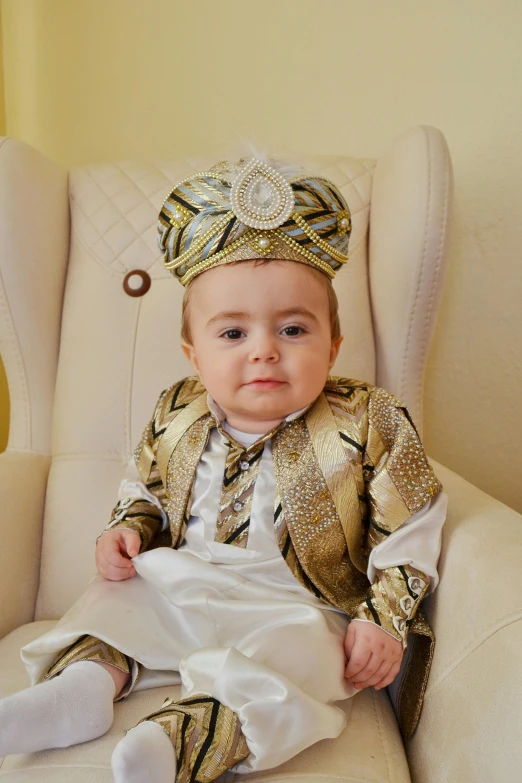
pixel 75 706
pixel 144 754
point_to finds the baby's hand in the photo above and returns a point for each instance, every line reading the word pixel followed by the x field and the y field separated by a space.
pixel 113 552
pixel 373 656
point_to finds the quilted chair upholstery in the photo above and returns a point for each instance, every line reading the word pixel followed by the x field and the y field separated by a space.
pixel 85 363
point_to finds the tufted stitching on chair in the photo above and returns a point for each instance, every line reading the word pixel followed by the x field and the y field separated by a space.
pixel 101 238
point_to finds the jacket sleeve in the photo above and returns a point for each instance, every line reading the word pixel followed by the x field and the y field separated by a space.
pixel 399 483
pixel 141 498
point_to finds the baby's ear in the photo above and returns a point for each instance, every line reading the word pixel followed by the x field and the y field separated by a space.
pixel 334 350
pixel 190 353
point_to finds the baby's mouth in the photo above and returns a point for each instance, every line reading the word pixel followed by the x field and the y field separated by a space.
pixel 265 383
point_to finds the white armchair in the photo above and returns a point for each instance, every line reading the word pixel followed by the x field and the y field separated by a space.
pixel 85 363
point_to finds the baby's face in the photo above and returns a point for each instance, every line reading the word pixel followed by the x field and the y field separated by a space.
pixel 261 341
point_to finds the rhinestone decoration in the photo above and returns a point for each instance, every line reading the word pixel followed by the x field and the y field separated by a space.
pixel 261 197
pixel 244 465
pixel 180 216
pixel 407 464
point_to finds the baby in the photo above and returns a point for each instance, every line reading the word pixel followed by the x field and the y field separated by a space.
pixel 278 528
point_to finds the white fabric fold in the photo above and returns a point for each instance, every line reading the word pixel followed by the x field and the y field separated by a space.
pixel 252 646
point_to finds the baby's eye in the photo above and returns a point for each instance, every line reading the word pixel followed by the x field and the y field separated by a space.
pixel 292 331
pixel 232 334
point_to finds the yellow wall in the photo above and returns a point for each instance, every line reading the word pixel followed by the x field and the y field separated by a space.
pixel 94 80
pixel 4 393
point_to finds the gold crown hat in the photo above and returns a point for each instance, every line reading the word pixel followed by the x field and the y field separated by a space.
pixel 253 209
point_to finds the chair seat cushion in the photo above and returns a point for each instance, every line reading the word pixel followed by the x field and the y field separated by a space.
pixel 369 750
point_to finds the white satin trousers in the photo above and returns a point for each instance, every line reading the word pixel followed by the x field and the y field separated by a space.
pixel 272 656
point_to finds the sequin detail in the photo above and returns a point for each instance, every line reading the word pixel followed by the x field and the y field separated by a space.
pixel 312 521
pixel 406 463
pixel 181 473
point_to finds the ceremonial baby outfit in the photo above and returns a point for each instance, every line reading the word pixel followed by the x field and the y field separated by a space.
pixel 258 550
pixel 253 615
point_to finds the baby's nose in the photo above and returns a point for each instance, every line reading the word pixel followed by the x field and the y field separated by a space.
pixel 264 349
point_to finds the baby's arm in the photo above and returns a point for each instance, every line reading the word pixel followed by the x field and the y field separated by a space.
pixel 416 544
pixel 406 512
pixel 137 517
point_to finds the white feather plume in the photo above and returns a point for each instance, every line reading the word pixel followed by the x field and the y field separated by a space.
pixel 286 163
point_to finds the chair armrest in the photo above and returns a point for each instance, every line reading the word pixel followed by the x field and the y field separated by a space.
pixel 23 482
pixel 471 722
pixel 34 238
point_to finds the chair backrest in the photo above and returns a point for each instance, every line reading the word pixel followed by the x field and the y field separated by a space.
pixel 117 352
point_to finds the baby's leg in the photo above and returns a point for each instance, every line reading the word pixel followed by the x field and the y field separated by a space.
pixel 196 738
pixel 120 677
pixel 73 704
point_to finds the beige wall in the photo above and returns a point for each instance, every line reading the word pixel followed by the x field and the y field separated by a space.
pixel 93 80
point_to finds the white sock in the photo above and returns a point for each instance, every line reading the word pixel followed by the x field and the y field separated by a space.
pixel 144 755
pixel 75 706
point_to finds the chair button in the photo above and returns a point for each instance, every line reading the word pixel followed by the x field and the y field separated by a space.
pixel 136 283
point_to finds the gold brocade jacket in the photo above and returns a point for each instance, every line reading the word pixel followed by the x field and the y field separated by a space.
pixel 349 471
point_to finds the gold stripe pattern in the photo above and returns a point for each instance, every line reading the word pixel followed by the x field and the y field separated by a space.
pixel 89 648
pixel 200 243
pixel 206 737
pixel 313 523
pixel 237 492
pixel 339 475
